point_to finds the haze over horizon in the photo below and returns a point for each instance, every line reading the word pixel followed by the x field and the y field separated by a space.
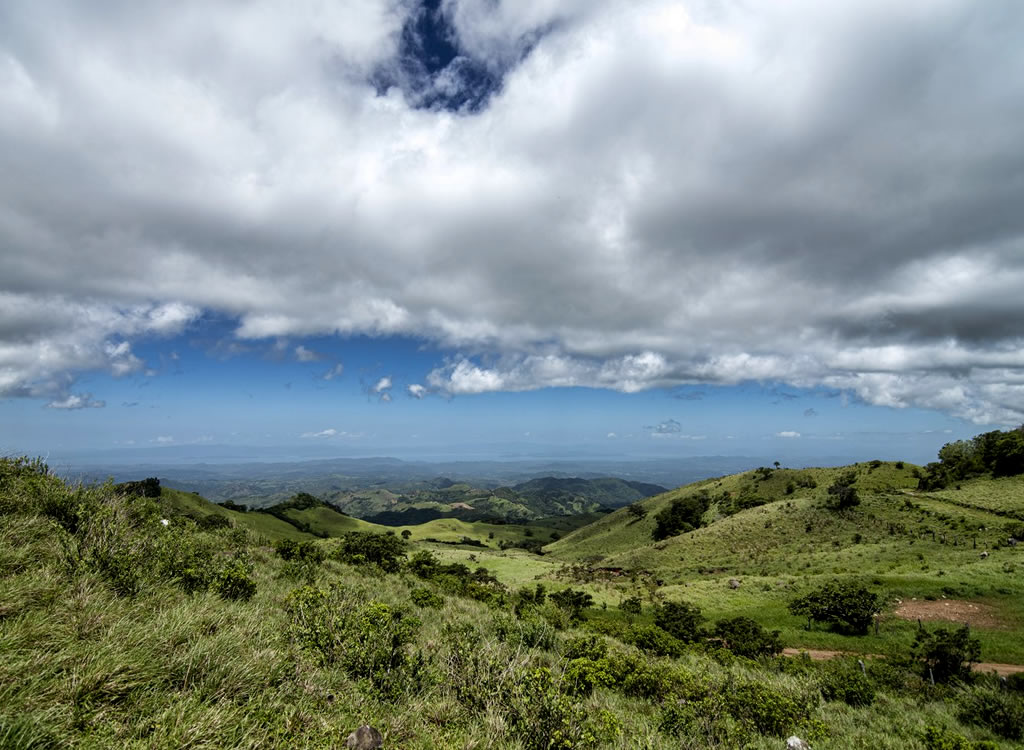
pixel 478 228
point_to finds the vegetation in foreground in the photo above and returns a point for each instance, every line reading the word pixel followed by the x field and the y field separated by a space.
pixel 124 625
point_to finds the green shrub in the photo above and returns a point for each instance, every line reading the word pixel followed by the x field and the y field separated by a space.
pixel 744 637
pixel 387 551
pixel 426 598
pixel 844 605
pixel 653 640
pixel 946 654
pixel 940 738
pixel 768 711
pixel 582 675
pixel 305 551
pixel 842 680
pixel 681 620
pixel 632 605
pixel 684 514
pixel 1000 711
pixel 639 677
pixel 371 641
pixel 234 580
pixel 585 647
pixel 572 602
pixel 541 717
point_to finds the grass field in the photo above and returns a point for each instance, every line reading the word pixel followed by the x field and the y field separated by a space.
pixel 119 631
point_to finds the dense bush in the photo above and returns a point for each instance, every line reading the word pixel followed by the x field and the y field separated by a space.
pixel 572 602
pixel 946 654
pixel 767 710
pixel 366 548
pixel 845 605
pixel 842 680
pixel 653 640
pixel 426 598
pixel 234 580
pixel 684 514
pixel 844 492
pixel 305 551
pixel 371 641
pixel 681 620
pixel 997 710
pixel 744 637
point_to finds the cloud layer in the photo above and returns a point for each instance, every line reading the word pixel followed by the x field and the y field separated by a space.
pixel 660 193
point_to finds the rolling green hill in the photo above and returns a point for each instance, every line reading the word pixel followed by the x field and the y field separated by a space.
pixel 906 543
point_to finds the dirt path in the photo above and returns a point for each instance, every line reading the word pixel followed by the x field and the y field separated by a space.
pixel 822 654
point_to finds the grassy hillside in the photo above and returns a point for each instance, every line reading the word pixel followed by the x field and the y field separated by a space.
pixel 265 526
pixel 119 631
pixel 905 544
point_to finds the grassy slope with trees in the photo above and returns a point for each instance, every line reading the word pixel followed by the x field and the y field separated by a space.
pixel 118 630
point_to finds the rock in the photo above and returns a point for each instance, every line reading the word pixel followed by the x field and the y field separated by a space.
pixel 364 738
pixel 795 743
pixel 734 583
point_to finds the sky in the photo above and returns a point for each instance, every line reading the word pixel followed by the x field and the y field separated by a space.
pixel 500 227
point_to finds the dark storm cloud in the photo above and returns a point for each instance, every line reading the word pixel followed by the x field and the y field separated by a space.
pixel 651 194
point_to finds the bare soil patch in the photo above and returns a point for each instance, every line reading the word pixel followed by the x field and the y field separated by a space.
pixel 950 610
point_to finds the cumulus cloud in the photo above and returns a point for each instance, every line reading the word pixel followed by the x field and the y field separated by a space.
pixel 787 434
pixel 416 390
pixel 652 194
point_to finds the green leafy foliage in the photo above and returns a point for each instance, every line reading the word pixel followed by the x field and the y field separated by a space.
pixel 387 551
pixel 681 620
pixel 426 598
pixel 843 680
pixel 946 654
pixel 684 514
pixel 1000 711
pixel 572 602
pixel 845 605
pixel 371 641
pixel 844 492
pixel 745 637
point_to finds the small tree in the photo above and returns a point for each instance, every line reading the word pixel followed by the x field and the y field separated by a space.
pixel 638 511
pixel 680 619
pixel 406 534
pixel 743 636
pixel 684 514
pixel 946 654
pixel 847 606
pixel 844 491
pixel 571 601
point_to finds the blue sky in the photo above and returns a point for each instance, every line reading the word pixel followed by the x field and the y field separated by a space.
pixel 511 226
pixel 350 396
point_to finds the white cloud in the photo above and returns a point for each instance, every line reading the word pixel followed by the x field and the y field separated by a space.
pixel 611 436
pixel 329 432
pixel 302 354
pixel 77 401
pixel 416 390
pixel 163 439
pixel 661 193
pixel 334 372
pixel 382 385
pixel 787 434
